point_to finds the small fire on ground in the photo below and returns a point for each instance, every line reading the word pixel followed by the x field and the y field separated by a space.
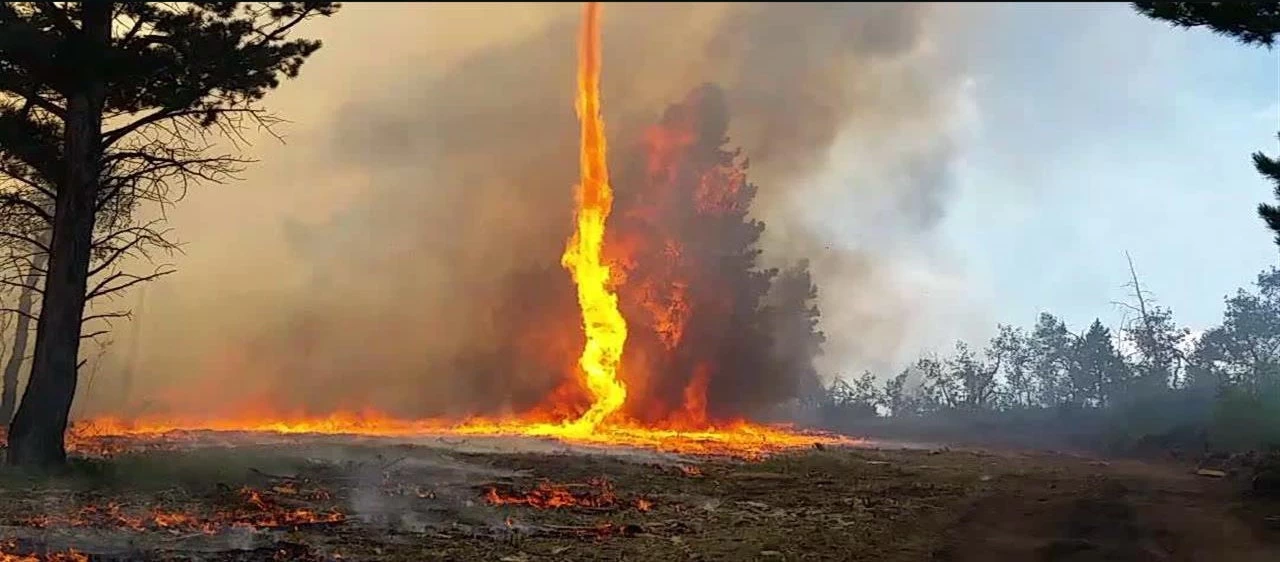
pixel 595 494
pixel 250 508
pixel 10 549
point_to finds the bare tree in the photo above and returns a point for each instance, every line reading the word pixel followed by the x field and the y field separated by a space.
pixel 21 335
pixel 24 238
pixel 1157 340
pixel 10 387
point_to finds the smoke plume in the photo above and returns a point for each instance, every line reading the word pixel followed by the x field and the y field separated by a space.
pixel 426 181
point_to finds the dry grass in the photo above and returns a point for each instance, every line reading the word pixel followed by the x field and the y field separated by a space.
pixel 423 503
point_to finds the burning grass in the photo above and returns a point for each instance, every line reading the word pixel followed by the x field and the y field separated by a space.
pixel 597 494
pixel 342 495
pixel 362 500
pixel 248 508
pixel 12 551
pixel 108 436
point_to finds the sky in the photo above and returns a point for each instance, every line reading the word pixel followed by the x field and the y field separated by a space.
pixel 1103 132
pixel 992 162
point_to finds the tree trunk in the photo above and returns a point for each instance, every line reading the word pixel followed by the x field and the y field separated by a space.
pixel 21 331
pixel 36 437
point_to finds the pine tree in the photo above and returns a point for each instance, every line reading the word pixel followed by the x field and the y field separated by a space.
pixel 1251 23
pixel 108 103
pixel 704 319
pixel 690 252
pixel 1101 372
pixel 1052 346
pixel 1270 169
pixel 793 321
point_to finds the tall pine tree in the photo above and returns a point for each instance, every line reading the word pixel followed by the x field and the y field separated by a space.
pixel 108 103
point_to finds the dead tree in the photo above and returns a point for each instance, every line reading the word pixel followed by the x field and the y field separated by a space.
pixel 1158 340
pixel 10 390
pixel 114 105
pixel 24 237
pixel 21 335
pixel 1144 316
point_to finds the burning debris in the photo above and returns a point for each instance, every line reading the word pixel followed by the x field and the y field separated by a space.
pixel 265 511
pixel 249 508
pixel 113 516
pixel 11 550
pixel 597 494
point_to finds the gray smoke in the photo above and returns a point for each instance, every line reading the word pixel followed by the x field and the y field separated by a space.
pixel 470 170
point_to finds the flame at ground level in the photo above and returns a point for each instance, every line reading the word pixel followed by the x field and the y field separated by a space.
pixel 9 553
pixel 698 179
pixel 740 439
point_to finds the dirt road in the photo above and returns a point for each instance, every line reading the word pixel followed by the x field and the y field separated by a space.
pixel 1059 511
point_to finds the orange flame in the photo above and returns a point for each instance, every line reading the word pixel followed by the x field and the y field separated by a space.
pixel 256 510
pixel 695 397
pixel 9 547
pixel 669 298
pixel 108 436
pixel 598 493
pixel 602 321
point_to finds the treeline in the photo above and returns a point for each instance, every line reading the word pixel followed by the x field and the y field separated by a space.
pixel 1148 384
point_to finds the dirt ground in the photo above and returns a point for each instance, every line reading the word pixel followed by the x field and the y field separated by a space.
pixel 379 501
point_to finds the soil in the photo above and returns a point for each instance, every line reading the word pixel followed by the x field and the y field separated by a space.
pixel 428 502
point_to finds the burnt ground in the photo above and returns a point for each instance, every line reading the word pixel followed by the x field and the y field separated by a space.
pixel 399 502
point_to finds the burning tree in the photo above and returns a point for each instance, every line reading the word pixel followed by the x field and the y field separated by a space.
pixel 690 251
pixel 106 106
pixel 712 335
pixel 673 264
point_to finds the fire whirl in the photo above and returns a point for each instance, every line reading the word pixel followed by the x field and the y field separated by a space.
pixel 664 290
pixel 602 321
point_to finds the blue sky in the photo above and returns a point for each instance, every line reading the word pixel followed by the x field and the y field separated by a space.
pixel 1101 132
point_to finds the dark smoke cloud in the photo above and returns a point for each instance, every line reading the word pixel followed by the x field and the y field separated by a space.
pixel 470 171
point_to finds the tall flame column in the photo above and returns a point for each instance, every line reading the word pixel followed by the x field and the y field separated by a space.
pixel 602 321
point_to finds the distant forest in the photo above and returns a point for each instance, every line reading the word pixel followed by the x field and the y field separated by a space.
pixel 1148 384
